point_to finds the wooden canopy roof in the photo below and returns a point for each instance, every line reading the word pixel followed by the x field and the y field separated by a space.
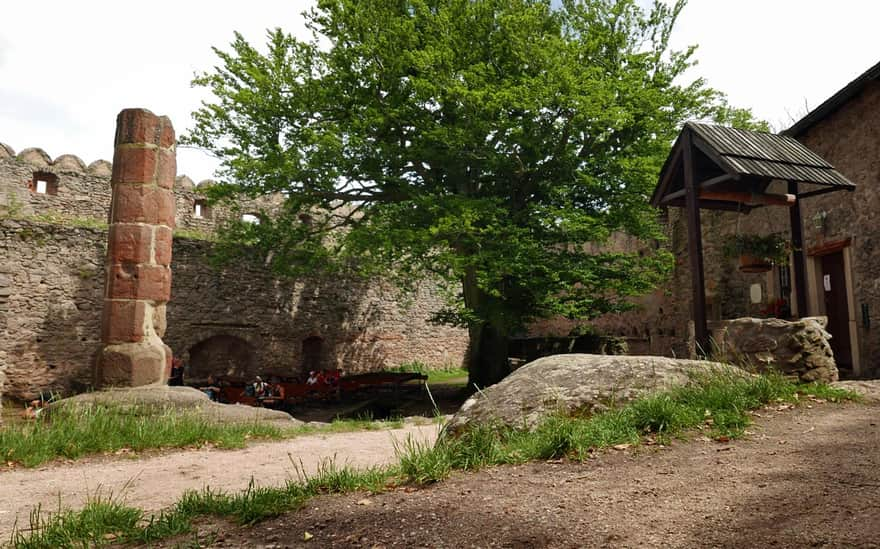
pixel 733 168
pixel 719 168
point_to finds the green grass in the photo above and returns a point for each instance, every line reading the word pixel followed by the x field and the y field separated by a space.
pixel 74 432
pixel 435 375
pixel 105 520
pixel 718 405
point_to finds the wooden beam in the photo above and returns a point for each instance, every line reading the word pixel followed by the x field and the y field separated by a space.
pixel 714 205
pixel 823 191
pixel 797 243
pixel 766 199
pixel 695 246
pixel 668 171
pixel 704 185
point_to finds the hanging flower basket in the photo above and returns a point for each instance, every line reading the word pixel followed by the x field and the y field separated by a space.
pixel 757 254
pixel 753 264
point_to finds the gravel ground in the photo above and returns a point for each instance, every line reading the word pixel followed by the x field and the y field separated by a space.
pixel 804 477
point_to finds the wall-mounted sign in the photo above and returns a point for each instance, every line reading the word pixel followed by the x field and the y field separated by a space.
pixel 826 282
pixel 755 293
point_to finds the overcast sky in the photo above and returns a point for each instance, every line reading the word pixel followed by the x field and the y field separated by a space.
pixel 68 67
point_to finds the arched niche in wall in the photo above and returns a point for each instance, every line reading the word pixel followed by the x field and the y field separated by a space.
pixel 221 355
pixel 312 353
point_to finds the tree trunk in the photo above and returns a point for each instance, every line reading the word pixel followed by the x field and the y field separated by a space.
pixel 488 345
pixel 488 362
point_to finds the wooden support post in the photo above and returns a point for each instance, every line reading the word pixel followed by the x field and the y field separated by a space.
pixel 797 243
pixel 695 247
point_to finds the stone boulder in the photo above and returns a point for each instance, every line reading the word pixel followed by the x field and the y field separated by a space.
pixel 575 383
pixel 797 348
pixel 162 397
pixel 867 389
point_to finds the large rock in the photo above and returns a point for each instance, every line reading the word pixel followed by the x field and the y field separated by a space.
pixel 574 383
pixel 798 348
pixel 867 389
pixel 188 399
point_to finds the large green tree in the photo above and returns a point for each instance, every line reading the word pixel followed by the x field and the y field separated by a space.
pixel 492 144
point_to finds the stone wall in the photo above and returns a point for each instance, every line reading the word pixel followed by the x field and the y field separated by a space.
pixel 50 318
pixel 352 325
pixel 83 192
pixel 50 323
pixel 240 319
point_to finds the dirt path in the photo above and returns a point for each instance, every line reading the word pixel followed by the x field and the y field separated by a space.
pixel 155 482
pixel 808 477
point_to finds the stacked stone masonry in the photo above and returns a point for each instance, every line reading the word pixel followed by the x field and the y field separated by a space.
pixel 138 277
pixel 238 319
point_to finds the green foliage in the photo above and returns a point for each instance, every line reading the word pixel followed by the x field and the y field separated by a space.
pixel 773 247
pixel 482 142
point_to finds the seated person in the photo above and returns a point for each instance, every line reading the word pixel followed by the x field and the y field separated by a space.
pixel 256 389
pixel 275 395
pixel 260 387
pixel 332 378
pixel 313 378
pixel 211 389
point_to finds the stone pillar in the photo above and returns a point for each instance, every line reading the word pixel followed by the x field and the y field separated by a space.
pixel 138 279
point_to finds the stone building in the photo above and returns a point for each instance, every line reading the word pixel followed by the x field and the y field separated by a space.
pixel 237 319
pixel 841 244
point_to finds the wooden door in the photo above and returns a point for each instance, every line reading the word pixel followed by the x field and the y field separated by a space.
pixel 836 307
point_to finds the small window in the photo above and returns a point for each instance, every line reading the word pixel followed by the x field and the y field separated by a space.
pixel 253 219
pixel 44 183
pixel 201 210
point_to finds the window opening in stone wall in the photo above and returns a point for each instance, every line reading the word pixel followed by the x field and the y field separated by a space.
pixel 201 209
pixel 44 183
pixel 253 219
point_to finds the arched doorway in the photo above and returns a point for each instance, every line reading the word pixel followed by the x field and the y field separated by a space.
pixel 312 348
pixel 220 355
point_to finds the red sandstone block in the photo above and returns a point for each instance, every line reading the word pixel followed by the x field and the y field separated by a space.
pixel 143 204
pixel 123 321
pixel 166 137
pixel 134 165
pixel 162 244
pixel 166 207
pixel 129 281
pixel 130 243
pixel 138 126
pixel 167 170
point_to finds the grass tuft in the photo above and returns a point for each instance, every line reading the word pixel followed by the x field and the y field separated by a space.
pixel 74 431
